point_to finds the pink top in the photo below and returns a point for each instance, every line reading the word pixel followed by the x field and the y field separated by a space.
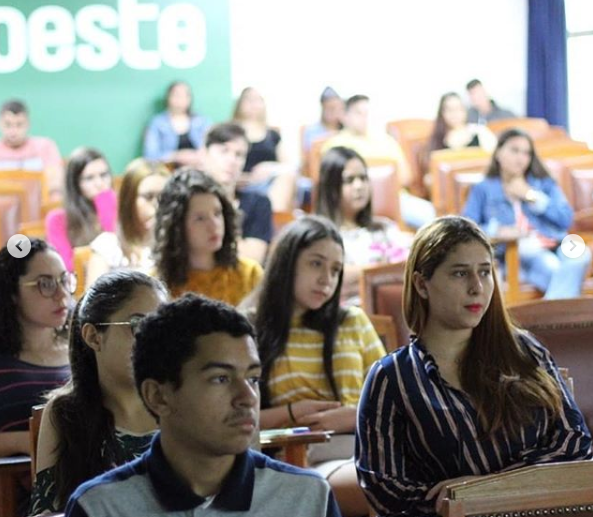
pixel 56 225
pixel 36 154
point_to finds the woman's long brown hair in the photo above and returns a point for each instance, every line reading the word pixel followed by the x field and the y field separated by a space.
pixel 496 371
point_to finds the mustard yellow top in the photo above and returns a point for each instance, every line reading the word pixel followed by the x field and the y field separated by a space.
pixel 223 283
pixel 298 373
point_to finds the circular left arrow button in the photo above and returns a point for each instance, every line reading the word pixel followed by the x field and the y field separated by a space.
pixel 19 245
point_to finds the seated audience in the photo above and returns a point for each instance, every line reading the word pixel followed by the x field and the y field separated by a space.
pixel 36 292
pixel 332 112
pixel 483 108
pixel 470 395
pixel 344 196
pixel 266 170
pixel 176 134
pixel 19 151
pixel 195 244
pixel 314 354
pixel 130 245
pixel 519 199
pixel 203 389
pixel 380 146
pixel 90 204
pixel 224 160
pixel 97 420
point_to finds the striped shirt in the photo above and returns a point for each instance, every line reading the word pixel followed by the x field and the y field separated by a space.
pixel 415 430
pixel 22 386
pixel 298 373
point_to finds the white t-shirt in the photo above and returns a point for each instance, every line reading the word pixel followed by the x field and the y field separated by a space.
pixel 108 246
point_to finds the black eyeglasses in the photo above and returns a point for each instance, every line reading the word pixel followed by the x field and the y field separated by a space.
pixel 48 285
pixel 133 323
pixel 348 180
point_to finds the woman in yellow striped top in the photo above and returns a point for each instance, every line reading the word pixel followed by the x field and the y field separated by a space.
pixel 315 355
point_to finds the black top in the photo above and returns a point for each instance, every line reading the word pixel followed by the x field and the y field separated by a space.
pixel 256 216
pixel 474 142
pixel 185 142
pixel 264 150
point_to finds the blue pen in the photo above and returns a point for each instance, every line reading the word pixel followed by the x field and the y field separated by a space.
pixel 299 430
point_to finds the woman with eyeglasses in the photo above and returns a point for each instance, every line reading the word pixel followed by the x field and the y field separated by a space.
pixel 344 195
pixel 35 296
pixel 130 245
pixel 97 421
pixel 90 204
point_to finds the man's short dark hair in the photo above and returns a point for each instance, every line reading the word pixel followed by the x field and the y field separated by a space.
pixel 223 133
pixel 14 106
pixel 472 84
pixel 355 99
pixel 169 338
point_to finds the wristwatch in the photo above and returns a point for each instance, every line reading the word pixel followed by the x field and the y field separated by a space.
pixel 530 196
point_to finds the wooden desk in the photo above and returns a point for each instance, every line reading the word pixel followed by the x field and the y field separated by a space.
pixel 549 489
pixel 12 470
pixel 295 445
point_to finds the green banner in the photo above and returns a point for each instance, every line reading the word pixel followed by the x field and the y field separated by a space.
pixel 93 73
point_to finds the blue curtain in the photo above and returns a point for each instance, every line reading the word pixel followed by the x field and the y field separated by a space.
pixel 547 81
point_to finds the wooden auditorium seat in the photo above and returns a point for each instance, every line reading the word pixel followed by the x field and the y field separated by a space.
pixel 385 188
pixel 381 292
pixel 574 174
pixel 14 479
pixel 314 159
pixel 82 255
pixel 35 187
pixel 413 136
pixel 447 162
pixel 565 327
pixel 385 329
pixel 535 127
pixel 34 427
pixel 10 205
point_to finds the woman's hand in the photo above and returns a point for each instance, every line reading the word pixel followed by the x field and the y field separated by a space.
pixel 262 171
pixel 340 420
pixel 508 233
pixel 304 408
pixel 516 187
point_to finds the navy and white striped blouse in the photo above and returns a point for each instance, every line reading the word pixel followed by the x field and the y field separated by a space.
pixel 415 430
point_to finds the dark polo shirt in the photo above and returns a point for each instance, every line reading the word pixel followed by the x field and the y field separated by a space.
pixel 256 485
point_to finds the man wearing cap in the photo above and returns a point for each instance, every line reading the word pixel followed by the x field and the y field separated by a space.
pixel 332 112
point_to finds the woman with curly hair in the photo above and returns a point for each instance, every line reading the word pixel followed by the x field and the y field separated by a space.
pixel 196 244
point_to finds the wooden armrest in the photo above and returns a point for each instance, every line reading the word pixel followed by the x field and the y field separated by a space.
pixel 295 445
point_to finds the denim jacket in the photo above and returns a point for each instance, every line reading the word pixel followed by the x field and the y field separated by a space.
pixel 550 214
pixel 160 139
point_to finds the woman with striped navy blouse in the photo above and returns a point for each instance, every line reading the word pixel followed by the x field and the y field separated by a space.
pixel 470 395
